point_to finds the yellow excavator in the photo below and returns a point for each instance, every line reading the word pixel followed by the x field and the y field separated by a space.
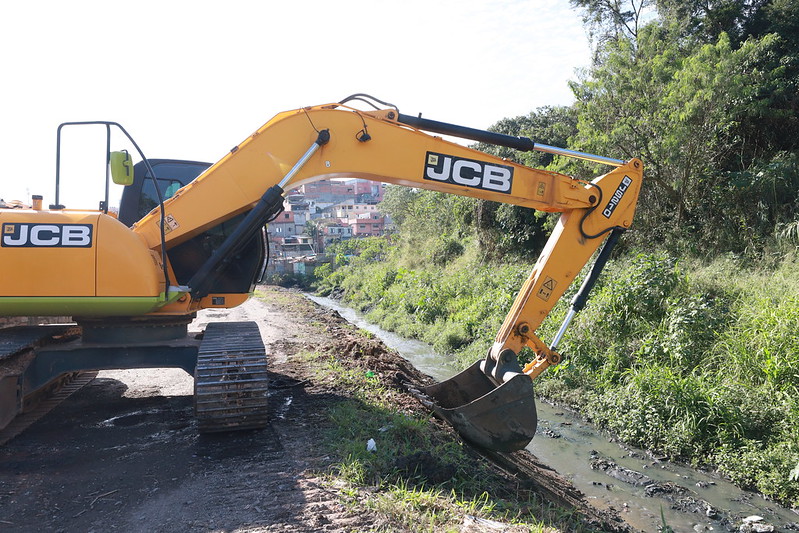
pixel 132 282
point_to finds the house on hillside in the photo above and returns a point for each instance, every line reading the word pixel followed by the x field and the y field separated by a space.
pixel 287 224
pixel 335 231
pixel 350 210
pixel 367 225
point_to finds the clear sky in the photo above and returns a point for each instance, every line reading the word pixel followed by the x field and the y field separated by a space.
pixel 190 79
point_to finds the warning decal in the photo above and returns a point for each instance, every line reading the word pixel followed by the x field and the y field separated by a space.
pixel 546 289
pixel 170 223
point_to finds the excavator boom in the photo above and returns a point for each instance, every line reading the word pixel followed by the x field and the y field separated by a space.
pixel 170 263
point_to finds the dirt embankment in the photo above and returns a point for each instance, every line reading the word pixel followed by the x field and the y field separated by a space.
pixel 123 453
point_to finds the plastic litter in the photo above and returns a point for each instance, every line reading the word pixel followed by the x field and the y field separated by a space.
pixel 371 446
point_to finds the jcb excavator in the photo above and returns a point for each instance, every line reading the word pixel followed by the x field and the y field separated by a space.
pixel 132 283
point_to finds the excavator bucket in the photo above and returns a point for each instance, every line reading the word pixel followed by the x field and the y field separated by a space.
pixel 501 418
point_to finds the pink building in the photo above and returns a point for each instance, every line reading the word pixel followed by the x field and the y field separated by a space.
pixel 369 225
pixel 287 224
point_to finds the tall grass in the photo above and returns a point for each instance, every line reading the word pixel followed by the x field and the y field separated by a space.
pixel 698 361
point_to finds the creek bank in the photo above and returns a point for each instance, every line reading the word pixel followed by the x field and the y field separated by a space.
pixel 566 443
pixel 522 470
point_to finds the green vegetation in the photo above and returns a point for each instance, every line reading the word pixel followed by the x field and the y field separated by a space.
pixel 689 344
pixel 429 490
pixel 696 361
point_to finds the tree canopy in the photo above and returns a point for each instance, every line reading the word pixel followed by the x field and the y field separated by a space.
pixel 706 93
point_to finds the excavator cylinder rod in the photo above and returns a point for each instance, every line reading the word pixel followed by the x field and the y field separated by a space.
pixel 267 207
pixel 270 204
pixel 524 144
pixel 519 143
pixel 580 299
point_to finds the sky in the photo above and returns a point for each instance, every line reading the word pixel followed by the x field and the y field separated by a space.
pixel 191 79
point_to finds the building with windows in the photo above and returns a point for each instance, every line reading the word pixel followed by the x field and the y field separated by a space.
pixel 287 224
pixel 349 210
pixel 335 231
pixel 367 225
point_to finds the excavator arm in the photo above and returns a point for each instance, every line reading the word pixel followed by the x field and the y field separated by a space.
pixel 392 153
pixel 492 402
pixel 333 141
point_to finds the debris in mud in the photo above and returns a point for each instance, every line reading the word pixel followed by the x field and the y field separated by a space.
pixel 755 524
pixel 619 472
pixel 551 434
pixel 474 524
pixel 681 498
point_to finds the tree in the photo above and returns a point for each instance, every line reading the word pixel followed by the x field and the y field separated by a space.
pixel 688 110
pixel 705 20
pixel 610 20
pixel 504 229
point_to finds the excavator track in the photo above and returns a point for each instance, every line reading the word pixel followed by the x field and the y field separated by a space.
pixel 231 382
pixel 66 388
pixel 19 408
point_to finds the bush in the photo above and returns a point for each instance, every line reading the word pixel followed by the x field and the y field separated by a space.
pixel 695 361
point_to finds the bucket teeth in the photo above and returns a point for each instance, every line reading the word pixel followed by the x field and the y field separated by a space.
pixel 501 418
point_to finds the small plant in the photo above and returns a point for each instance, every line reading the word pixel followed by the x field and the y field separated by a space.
pixel 664 527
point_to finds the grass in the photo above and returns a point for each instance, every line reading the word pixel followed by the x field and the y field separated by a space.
pixel 699 361
pixel 418 478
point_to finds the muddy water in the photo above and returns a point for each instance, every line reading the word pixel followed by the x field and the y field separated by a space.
pixel 567 444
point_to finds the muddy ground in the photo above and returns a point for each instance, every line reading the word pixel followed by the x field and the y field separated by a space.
pixel 123 453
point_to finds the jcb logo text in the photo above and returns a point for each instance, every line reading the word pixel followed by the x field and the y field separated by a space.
pixel 47 235
pixel 468 172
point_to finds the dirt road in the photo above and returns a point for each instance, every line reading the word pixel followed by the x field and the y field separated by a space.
pixel 123 453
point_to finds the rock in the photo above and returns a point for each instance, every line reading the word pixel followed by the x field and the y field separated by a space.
pixel 619 472
pixel 661 488
pixel 755 527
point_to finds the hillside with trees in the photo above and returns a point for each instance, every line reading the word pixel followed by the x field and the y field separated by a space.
pixel 689 344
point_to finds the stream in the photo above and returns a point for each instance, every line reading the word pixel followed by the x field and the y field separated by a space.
pixel 570 446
